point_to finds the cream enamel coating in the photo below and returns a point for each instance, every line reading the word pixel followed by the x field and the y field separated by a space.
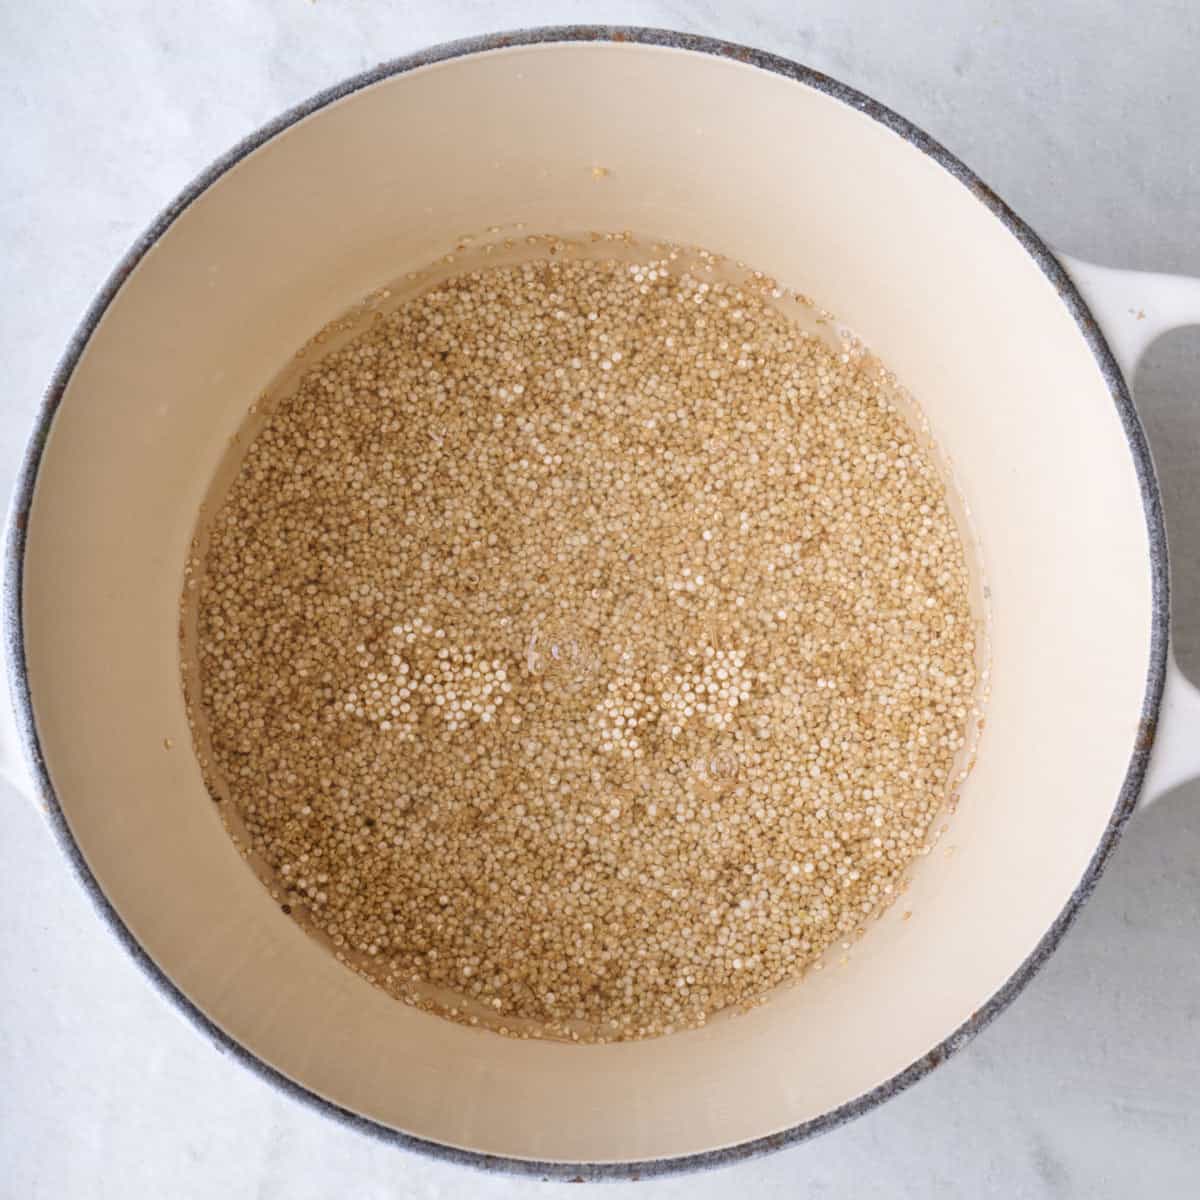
pixel 698 149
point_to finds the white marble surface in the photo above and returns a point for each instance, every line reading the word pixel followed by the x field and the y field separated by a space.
pixel 1087 121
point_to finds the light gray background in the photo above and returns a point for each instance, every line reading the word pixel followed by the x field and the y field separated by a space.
pixel 1086 117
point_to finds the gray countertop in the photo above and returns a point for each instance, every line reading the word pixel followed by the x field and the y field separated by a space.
pixel 1087 121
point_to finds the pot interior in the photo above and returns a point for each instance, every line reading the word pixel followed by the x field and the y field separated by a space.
pixel 698 149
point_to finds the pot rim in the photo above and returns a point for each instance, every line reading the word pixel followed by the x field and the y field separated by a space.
pixel 11 612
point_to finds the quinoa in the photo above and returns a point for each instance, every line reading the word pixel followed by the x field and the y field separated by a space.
pixel 584 648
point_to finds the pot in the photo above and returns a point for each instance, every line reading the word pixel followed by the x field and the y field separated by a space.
pixel 1018 358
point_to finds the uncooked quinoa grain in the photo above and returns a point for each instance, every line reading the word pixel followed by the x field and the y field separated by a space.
pixel 583 648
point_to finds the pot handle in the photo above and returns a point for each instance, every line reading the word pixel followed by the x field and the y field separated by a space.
pixel 1133 308
pixel 13 770
pixel 14 765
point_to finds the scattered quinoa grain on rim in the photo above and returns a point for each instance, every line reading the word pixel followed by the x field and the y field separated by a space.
pixel 583 647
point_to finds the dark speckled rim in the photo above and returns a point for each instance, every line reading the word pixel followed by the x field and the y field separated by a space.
pixel 14 551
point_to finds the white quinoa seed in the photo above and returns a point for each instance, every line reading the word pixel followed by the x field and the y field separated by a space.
pixel 585 643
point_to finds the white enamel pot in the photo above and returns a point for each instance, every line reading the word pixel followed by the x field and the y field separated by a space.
pixel 1019 360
